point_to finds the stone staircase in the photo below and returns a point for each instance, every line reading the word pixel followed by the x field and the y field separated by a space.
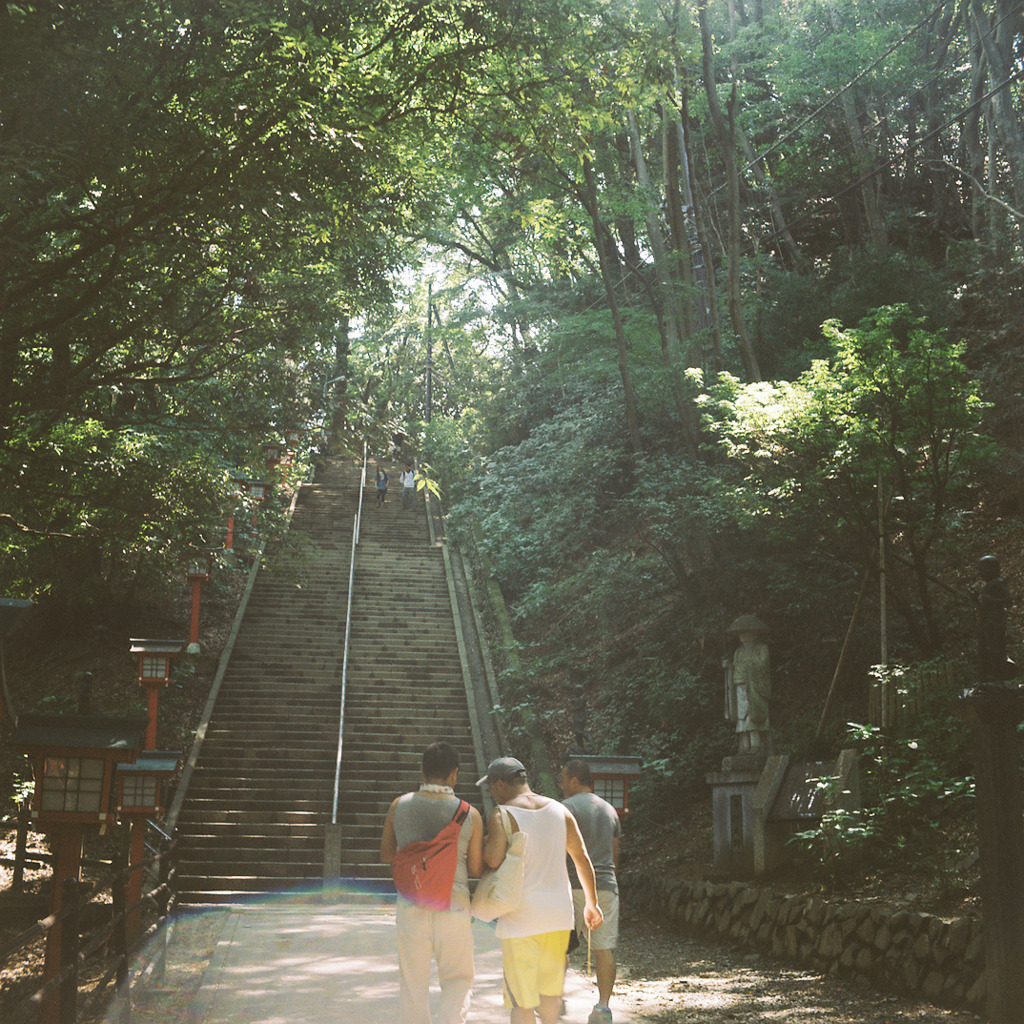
pixel 260 797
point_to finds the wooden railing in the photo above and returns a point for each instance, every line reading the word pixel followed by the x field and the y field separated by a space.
pixel 115 950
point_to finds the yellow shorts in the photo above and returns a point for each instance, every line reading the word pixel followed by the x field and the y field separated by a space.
pixel 534 967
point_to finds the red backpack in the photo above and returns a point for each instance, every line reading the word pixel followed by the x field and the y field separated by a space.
pixel 425 870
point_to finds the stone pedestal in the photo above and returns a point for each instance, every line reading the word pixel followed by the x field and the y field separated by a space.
pixel 732 802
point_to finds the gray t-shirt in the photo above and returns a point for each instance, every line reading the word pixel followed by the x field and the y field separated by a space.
pixel 599 824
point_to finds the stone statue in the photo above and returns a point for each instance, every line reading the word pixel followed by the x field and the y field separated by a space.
pixel 748 685
pixel 993 601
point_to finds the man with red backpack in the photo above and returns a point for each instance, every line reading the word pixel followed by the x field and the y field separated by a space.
pixel 434 842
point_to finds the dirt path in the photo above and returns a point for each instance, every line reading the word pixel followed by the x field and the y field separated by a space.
pixel 664 978
pixel 668 978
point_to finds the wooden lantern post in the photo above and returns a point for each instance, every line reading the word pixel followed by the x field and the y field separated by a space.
pixel 243 488
pixel 256 491
pixel 198 573
pixel 259 491
pixel 140 796
pixel 292 439
pixel 272 454
pixel 74 759
pixel 156 660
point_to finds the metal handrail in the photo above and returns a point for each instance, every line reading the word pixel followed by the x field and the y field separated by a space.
pixel 356 522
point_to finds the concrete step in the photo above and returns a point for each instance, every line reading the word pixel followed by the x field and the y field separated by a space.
pixel 264 817
pixel 255 836
pixel 260 795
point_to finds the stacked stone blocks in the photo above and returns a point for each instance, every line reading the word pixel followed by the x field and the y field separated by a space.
pixel 937 959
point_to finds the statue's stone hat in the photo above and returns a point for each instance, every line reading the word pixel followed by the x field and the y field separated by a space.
pixel 747 624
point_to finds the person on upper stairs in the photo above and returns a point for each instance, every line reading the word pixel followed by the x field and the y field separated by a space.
pixel 408 479
pixel 382 486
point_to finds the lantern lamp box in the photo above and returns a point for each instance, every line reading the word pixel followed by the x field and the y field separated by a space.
pixel 612 775
pixel 140 785
pixel 156 658
pixel 198 569
pixel 74 760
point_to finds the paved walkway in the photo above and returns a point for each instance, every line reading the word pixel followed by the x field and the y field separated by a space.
pixel 292 961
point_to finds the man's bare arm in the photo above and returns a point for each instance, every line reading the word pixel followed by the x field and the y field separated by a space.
pixel 475 853
pixel 577 849
pixel 388 841
pixel 496 843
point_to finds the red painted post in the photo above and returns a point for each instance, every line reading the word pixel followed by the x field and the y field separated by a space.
pixel 133 886
pixel 153 695
pixel 193 633
pixel 229 542
pixel 67 862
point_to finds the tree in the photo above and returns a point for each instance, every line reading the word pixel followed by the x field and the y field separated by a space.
pixel 894 403
pixel 193 199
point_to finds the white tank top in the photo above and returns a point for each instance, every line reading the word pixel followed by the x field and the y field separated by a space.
pixel 547 898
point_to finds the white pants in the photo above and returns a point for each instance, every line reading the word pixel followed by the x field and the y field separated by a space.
pixel 442 935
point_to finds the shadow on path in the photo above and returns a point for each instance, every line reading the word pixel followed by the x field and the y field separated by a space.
pixel 287 960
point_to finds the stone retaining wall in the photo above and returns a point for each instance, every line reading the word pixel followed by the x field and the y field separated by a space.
pixel 911 953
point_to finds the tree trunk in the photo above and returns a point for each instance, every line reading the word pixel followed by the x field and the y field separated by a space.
pixel 727 145
pixel 972 133
pixel 865 161
pixel 997 34
pixel 671 312
pixel 680 268
pixel 700 247
pixel 600 242
pixel 787 246
pixel 340 381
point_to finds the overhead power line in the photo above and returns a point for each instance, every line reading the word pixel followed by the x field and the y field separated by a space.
pixel 849 85
pixel 824 105
pixel 889 161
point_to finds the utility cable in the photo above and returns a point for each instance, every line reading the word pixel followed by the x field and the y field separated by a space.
pixel 849 85
pixel 889 161
pixel 949 71
pixel 831 99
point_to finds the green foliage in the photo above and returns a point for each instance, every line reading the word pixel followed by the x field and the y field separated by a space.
pixel 546 502
pixel 655 707
pixel 894 403
pixel 867 280
pixel 914 778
